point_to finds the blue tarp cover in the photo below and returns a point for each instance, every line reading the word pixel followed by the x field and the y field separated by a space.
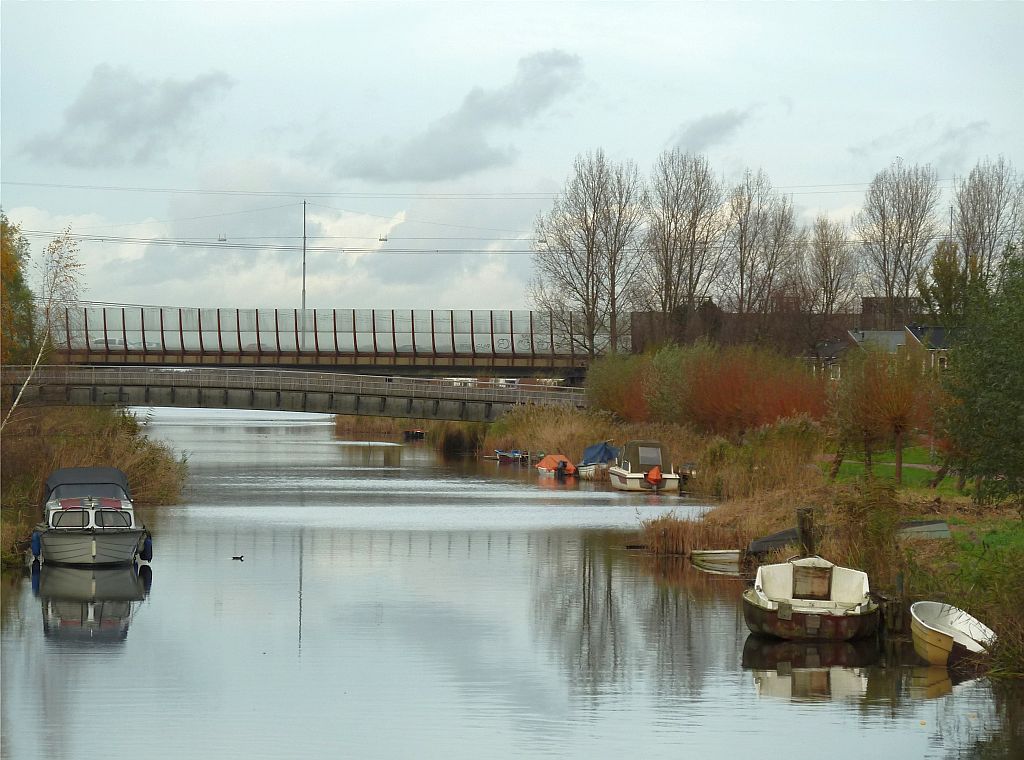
pixel 599 453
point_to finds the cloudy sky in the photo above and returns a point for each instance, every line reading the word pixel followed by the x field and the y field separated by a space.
pixel 181 138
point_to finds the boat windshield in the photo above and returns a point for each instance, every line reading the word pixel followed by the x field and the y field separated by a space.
pixel 112 518
pixel 71 518
pixel 649 456
pixel 96 490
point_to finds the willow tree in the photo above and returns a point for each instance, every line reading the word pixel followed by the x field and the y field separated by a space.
pixel 61 274
pixel 587 253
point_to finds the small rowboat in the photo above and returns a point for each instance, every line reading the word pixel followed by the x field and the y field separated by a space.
pixel 944 635
pixel 724 561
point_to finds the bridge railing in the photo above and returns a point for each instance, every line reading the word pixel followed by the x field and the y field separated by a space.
pixel 324 332
pixel 297 380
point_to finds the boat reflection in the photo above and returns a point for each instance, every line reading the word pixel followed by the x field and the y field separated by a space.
pixel 809 670
pixel 90 605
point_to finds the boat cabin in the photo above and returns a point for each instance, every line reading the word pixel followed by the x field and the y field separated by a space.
pixel 80 498
pixel 641 456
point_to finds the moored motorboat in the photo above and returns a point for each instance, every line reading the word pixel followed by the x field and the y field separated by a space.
pixel 596 460
pixel 556 465
pixel 944 634
pixel 512 456
pixel 641 467
pixel 810 598
pixel 89 519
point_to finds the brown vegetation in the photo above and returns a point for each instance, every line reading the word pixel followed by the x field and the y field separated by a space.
pixel 40 440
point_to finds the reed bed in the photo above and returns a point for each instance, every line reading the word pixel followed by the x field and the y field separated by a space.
pixel 40 439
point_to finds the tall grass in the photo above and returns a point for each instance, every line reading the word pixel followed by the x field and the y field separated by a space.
pixel 40 440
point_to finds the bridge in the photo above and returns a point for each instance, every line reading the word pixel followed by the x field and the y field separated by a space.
pixel 280 390
pixel 375 341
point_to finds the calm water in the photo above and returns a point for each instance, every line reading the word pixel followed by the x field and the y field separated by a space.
pixel 429 609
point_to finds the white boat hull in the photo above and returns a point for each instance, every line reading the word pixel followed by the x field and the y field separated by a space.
pixel 717 560
pixel 943 634
pixel 635 481
pixel 592 471
pixel 88 547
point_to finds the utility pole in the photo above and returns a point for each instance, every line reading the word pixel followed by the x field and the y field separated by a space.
pixel 303 259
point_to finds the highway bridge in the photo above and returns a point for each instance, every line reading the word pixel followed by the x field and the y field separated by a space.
pixel 280 390
pixel 427 342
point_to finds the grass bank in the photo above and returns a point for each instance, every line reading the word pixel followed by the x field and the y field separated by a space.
pixel 39 440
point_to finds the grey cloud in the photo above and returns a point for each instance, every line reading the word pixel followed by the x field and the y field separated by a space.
pixel 700 134
pixel 459 143
pixel 947 148
pixel 120 119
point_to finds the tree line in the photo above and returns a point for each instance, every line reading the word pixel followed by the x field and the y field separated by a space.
pixel 681 238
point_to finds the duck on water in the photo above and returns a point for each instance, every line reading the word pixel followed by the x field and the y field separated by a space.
pixel 89 519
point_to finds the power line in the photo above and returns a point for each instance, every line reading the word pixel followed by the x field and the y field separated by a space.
pixel 231 246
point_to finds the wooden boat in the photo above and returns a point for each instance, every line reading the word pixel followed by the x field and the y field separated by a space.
pixel 89 519
pixel 724 561
pixel 944 634
pixel 810 598
pixel 556 465
pixel 596 460
pixel 641 467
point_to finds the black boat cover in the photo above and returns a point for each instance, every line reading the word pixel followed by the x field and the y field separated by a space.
pixel 84 476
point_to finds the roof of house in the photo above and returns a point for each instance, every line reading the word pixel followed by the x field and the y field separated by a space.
pixel 889 340
pixel 931 336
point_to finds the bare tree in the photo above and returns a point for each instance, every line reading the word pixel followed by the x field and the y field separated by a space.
pixel 830 268
pixel 896 225
pixel 621 222
pixel 61 274
pixel 749 208
pixel 587 255
pixel 764 241
pixel 987 210
pixel 684 232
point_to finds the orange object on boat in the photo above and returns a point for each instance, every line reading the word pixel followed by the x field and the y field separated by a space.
pixel 550 463
pixel 653 475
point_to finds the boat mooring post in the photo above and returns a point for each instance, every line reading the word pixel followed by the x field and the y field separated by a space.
pixel 805 531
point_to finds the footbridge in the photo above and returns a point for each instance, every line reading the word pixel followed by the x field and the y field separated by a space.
pixel 279 390
pixel 410 342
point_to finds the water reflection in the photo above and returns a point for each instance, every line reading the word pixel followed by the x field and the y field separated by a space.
pixel 435 609
pixel 89 606
pixel 809 670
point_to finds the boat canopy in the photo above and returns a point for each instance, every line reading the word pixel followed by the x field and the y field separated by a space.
pixel 641 456
pixel 87 481
pixel 600 453
pixel 551 462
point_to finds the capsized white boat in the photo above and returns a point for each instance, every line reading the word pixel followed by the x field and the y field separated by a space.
pixel 944 634
pixel 89 519
pixel 641 467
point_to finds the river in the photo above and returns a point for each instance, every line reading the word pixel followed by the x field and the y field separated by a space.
pixel 388 604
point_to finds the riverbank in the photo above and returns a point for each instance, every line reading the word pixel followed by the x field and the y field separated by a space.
pixel 39 440
pixel 758 483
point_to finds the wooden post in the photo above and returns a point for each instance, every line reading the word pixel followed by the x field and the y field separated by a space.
pixel 805 531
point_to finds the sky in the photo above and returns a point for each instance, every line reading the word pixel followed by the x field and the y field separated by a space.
pixel 180 139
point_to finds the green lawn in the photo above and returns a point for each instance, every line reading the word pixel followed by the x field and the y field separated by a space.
pixel 911 455
pixel 913 477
